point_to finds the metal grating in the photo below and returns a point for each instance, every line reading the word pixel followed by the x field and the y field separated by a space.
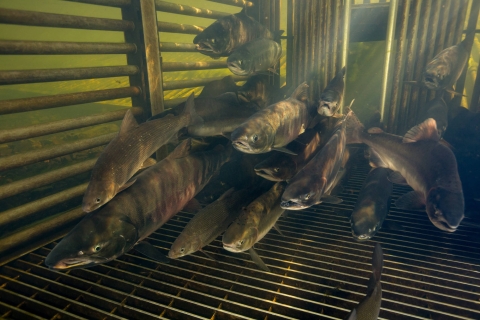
pixel 318 272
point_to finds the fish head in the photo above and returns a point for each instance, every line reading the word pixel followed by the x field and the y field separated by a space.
pixel 240 64
pixel 94 240
pixel 435 76
pixel 445 208
pixel 302 194
pixel 328 104
pixel 243 233
pixel 280 167
pixel 364 221
pixel 185 244
pixel 213 40
pixel 98 193
pixel 255 136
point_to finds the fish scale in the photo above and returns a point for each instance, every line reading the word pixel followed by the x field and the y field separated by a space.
pixel 159 193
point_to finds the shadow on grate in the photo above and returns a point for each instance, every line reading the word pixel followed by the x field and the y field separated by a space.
pixel 318 272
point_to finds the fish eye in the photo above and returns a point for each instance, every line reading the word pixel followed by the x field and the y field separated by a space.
pixel 213 41
pixel 182 250
pixel 97 200
pixel 97 248
pixel 254 138
pixel 276 169
pixel 241 241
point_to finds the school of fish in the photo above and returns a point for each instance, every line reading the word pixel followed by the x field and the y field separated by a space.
pixel 249 154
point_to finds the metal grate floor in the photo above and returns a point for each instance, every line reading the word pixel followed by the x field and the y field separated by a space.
pixel 318 272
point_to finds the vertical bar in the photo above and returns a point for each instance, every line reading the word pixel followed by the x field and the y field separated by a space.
pixel 346 39
pixel 420 64
pixel 409 64
pixel 442 37
pixel 469 38
pixel 432 35
pixel 336 21
pixel 474 103
pixel 152 55
pixel 399 60
pixel 290 17
pixel 392 20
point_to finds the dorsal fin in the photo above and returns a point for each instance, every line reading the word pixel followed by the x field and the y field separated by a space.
pixel 128 122
pixel 427 130
pixel 243 12
pixel 182 150
pixel 301 93
pixel 342 72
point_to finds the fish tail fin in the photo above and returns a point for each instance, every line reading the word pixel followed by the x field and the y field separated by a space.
pixel 377 262
pixel 190 111
pixel 354 127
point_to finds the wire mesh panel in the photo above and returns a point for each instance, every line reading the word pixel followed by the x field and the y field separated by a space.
pixel 318 272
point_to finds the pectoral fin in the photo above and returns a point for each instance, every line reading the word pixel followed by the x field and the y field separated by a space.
pixel 151 252
pixel 148 163
pixel 208 255
pixel 413 200
pixel 258 261
pixel 278 229
pixel 127 184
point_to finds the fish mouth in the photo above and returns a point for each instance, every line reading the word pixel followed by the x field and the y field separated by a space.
pixel 241 145
pixel 231 248
pixel 292 205
pixel 324 109
pixel 443 225
pixel 430 81
pixel 236 69
pixel 204 46
pixel 71 264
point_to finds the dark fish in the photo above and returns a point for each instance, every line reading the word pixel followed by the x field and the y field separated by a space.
pixel 255 221
pixel 228 33
pixel 313 184
pixel 331 97
pixel 423 162
pixel 282 167
pixel 260 55
pixel 126 153
pixel 211 221
pixel 258 90
pixel 159 193
pixel 438 110
pixel 217 87
pixel 275 126
pixel 237 173
pixel 369 307
pixel 445 68
pixel 221 115
pixel 372 205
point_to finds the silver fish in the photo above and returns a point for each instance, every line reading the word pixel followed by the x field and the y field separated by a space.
pixel 275 126
pixel 255 56
pixel 126 153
